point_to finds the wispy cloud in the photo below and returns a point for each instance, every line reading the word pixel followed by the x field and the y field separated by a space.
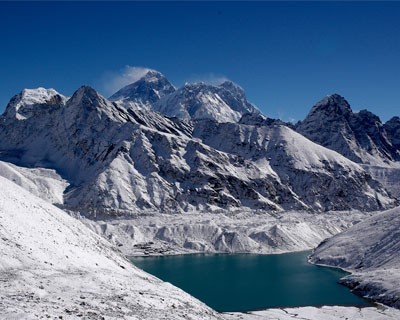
pixel 113 81
pixel 209 78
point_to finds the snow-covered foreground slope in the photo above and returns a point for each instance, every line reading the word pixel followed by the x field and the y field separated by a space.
pixel 238 232
pixel 324 313
pixel 370 250
pixel 52 266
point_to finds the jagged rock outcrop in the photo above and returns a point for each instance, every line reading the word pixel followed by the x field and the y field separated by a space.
pixel 392 128
pixel 33 102
pixel 360 136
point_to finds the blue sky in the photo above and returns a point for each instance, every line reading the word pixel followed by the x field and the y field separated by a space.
pixel 286 55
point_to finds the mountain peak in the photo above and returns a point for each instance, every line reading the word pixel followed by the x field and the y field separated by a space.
pixel 87 98
pixel 30 101
pixel 85 94
pixel 359 136
pixel 144 92
pixel 152 75
pixel 226 102
pixel 228 84
pixel 334 103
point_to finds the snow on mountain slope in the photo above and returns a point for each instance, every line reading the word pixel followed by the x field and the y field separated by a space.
pixel 143 93
pixel 43 183
pixel 370 250
pixel 31 101
pixel 52 266
pixel 388 176
pixel 125 161
pixel 314 176
pixel 94 143
pixel 224 103
pixel 359 136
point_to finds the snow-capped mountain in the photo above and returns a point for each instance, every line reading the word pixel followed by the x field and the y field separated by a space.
pixel 31 102
pixel 224 103
pixel 359 136
pixel 119 160
pixel 143 93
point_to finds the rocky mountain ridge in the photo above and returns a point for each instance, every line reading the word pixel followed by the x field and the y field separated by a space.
pixel 121 160
pixel 360 136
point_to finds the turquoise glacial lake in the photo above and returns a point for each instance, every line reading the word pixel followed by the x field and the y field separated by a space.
pixel 244 282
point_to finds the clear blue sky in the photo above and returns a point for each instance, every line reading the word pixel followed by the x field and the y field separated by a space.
pixel 286 55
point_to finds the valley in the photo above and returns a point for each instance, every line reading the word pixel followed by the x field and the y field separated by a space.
pixel 157 170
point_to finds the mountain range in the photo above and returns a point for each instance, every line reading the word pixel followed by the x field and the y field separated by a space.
pixel 246 183
pixel 152 147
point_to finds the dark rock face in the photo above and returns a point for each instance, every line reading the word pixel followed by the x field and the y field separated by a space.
pixel 392 128
pixel 360 136
pixel 257 119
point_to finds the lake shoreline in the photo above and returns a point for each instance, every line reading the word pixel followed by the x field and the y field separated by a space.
pixel 143 261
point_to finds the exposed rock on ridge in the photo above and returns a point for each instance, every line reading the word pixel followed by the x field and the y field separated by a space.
pixel 118 160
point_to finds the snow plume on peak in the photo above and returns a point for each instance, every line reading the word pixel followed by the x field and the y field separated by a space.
pixel 210 79
pixel 144 92
pixel 114 81
pixel 228 84
pixel 31 101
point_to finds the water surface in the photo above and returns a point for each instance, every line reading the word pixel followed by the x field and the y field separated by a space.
pixel 244 282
